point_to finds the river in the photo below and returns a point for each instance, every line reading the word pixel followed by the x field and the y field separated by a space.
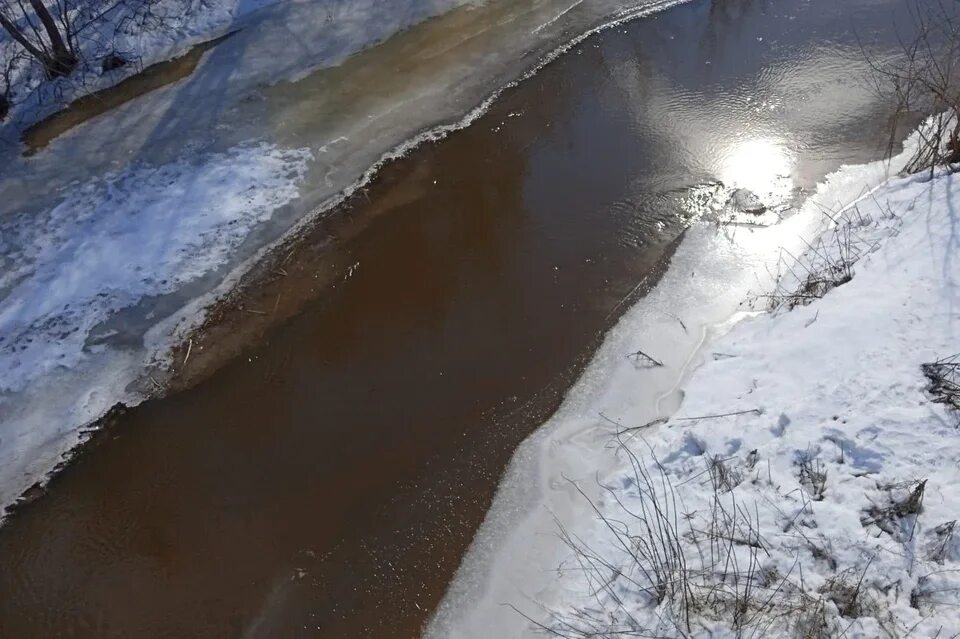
pixel 327 480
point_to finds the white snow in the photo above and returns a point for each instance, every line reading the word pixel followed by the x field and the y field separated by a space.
pixel 835 385
pixel 142 37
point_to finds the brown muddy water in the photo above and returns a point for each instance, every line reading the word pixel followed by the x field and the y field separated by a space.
pixel 327 480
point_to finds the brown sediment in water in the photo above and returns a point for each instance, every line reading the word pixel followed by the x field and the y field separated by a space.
pixel 290 275
pixel 153 77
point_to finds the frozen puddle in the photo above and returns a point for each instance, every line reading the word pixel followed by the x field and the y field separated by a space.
pixel 83 281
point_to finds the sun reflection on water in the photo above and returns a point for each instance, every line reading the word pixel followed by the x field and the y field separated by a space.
pixel 760 165
pixel 753 185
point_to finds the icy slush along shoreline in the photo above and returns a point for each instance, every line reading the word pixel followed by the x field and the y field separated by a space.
pixel 837 432
pixel 112 245
pixel 114 241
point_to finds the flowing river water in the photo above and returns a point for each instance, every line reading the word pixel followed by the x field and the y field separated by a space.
pixel 327 479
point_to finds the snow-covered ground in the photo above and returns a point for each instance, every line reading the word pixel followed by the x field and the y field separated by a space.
pixel 779 489
pixel 838 429
pixel 141 34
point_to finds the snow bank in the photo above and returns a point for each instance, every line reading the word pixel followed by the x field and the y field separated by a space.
pixel 142 36
pixel 786 465
pixel 832 431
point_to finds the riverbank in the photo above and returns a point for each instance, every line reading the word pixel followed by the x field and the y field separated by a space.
pixel 521 561
pixel 113 44
pixel 332 474
pixel 810 436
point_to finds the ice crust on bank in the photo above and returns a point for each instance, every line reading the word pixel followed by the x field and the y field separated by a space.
pixel 837 382
pixel 113 241
pixel 115 247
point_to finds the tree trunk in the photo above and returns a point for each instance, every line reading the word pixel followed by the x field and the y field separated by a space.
pixel 62 61
pixel 21 39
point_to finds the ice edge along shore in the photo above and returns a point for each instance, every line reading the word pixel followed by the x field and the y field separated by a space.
pixel 832 426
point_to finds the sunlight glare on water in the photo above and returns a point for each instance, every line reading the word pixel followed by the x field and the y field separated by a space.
pixel 761 165
pixel 754 184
